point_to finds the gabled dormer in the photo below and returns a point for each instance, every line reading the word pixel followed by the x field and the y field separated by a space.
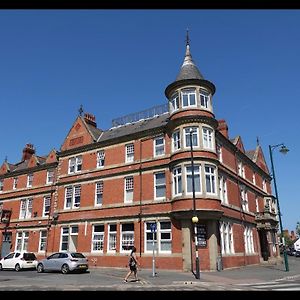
pixel 5 168
pixel 52 157
pixel 259 159
pixel 237 141
pixel 83 132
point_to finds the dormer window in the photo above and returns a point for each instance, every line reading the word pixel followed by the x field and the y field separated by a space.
pixel 175 102
pixel 15 183
pixel 50 176
pixel 29 180
pixel 188 97
pixel 204 98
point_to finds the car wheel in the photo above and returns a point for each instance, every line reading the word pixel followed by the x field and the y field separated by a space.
pixel 17 267
pixel 65 269
pixel 40 268
pixel 1 267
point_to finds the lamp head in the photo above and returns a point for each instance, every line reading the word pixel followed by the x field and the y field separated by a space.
pixel 195 219
pixel 284 149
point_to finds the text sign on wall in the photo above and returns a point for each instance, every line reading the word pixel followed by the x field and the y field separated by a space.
pixel 201 235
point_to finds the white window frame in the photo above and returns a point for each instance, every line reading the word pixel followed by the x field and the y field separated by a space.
pixel 264 185
pixel 128 189
pixel 129 153
pixel 159 185
pixel 42 241
pixel 75 164
pixel 174 102
pixel 29 180
pixel 22 238
pixel 204 97
pixel 227 240
pixel 248 239
pixel 176 143
pixel 127 238
pixel 159 149
pixel 26 208
pixel 241 169
pixel 223 189
pixel 253 178
pixel 210 179
pixel 112 239
pixel 157 237
pixel 50 177
pixel 15 183
pixel 256 204
pixel 177 181
pixel 189 92
pixel 70 231
pixel 98 191
pixel 208 138
pixel 74 194
pixel 195 136
pixel 100 159
pixel 189 174
pixel 1 185
pixel 46 206
pixel 219 149
pixel 98 239
pixel 244 198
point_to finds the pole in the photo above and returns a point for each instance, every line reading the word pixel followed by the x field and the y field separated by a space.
pixel 278 208
pixel 153 257
pixel 194 219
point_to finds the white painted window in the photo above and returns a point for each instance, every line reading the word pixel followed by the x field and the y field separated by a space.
pixel 188 97
pixel 112 238
pixel 210 179
pixel 253 178
pixel 129 153
pixel 159 146
pixel 226 232
pixel 43 241
pixel 208 138
pixel 264 185
pixel 189 179
pixel 75 164
pixel 72 196
pixel 29 180
pixel 46 206
pixel 26 208
pixel 177 181
pixel 127 237
pixel 176 140
pixel 15 183
pixel 241 169
pixel 22 239
pixel 223 189
pixel 195 137
pixel 256 204
pixel 100 159
pixel 128 189
pixel 204 99
pixel 50 176
pixel 174 102
pixel 99 193
pixel 162 237
pixel 98 238
pixel 1 185
pixel 69 238
pixel 160 185
pixel 244 198
pixel 248 239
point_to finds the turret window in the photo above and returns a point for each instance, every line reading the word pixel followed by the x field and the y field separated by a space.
pixel 210 179
pixel 176 140
pixel 195 137
pixel 175 102
pixel 207 138
pixel 188 97
pixel 204 99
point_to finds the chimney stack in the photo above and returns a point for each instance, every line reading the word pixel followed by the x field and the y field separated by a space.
pixel 223 128
pixel 28 151
pixel 90 119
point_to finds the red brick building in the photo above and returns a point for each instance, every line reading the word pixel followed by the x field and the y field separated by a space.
pixel 102 191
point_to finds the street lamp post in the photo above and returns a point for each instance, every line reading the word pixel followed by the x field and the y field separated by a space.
pixel 194 218
pixel 283 150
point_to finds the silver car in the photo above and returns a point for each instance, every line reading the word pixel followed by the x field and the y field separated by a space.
pixel 64 262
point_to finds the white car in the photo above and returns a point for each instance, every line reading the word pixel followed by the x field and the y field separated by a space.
pixel 18 260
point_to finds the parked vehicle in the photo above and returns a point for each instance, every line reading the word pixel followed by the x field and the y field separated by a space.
pixel 64 262
pixel 18 260
pixel 291 251
pixel 297 254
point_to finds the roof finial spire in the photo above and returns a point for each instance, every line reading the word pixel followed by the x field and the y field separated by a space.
pixel 5 158
pixel 80 110
pixel 257 141
pixel 187 37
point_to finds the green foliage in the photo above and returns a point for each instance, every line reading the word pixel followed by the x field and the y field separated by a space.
pixel 288 241
pixel 298 229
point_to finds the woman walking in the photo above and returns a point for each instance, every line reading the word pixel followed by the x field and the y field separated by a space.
pixel 133 263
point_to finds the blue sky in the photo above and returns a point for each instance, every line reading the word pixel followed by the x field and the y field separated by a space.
pixel 116 62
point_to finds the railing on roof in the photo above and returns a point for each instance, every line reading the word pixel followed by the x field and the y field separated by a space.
pixel 145 114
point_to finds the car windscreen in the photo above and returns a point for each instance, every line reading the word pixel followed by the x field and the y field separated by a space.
pixel 77 255
pixel 29 256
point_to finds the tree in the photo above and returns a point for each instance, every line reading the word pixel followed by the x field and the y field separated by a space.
pixel 287 238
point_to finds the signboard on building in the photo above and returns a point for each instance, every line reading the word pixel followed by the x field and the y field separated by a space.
pixel 201 235
pixel 5 216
